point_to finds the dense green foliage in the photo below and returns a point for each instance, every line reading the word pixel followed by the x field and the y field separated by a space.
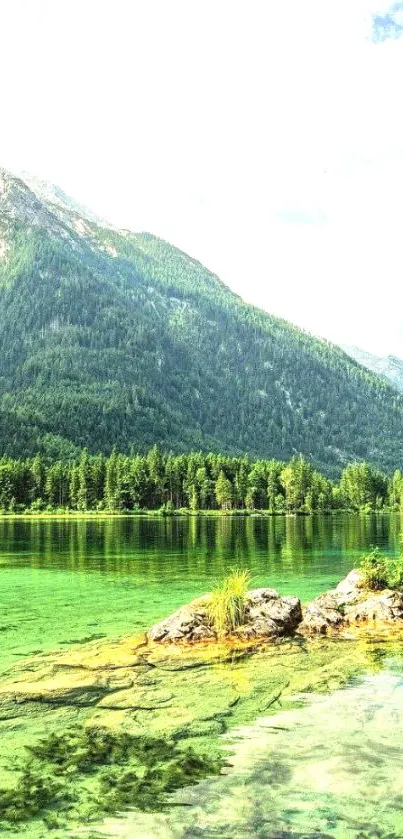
pixel 381 571
pixel 117 339
pixel 194 481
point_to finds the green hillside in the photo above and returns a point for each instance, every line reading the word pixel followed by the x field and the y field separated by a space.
pixel 110 338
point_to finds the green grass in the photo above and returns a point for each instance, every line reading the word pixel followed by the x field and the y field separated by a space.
pixel 226 607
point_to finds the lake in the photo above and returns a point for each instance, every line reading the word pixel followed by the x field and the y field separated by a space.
pixel 66 582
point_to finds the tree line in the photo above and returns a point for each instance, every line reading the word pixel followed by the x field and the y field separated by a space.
pixel 195 481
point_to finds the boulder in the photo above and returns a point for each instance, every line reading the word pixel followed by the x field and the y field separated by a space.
pixel 267 615
pixel 384 606
pixel 351 586
pixel 351 603
pixel 189 623
pixel 322 614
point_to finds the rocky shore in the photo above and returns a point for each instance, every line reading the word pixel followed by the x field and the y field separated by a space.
pixel 122 675
pixel 267 615
pixel 171 692
pixel 132 675
pixel 270 616
pixel 351 604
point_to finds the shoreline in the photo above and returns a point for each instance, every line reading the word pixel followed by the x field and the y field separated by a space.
pixel 184 514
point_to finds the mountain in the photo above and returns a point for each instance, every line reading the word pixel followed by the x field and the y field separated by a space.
pixel 390 367
pixel 112 338
pixel 52 194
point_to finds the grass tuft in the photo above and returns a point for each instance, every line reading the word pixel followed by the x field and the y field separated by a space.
pixel 226 607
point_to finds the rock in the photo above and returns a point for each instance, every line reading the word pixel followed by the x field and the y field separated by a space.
pixel 352 603
pixel 261 595
pixel 322 614
pixel 350 587
pixel 203 633
pixel 282 614
pixel 384 606
pixel 189 623
pixel 267 615
pixel 259 628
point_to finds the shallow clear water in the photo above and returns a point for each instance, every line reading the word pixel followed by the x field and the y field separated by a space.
pixel 328 765
pixel 330 769
pixel 67 581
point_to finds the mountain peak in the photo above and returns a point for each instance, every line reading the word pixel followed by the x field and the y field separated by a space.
pixel 391 367
pixel 16 199
pixel 56 197
pixel 40 204
pixel 19 203
pixel 111 338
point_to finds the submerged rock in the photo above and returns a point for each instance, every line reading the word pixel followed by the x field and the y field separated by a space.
pixel 267 615
pixel 187 695
pixel 351 602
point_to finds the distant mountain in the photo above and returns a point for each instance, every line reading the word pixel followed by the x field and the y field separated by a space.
pixel 390 367
pixel 112 338
pixel 51 194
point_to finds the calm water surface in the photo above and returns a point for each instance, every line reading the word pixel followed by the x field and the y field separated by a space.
pixel 68 581
pixel 330 767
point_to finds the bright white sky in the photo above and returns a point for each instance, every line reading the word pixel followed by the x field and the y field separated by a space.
pixel 264 138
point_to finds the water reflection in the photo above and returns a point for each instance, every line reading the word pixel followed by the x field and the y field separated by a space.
pixel 112 544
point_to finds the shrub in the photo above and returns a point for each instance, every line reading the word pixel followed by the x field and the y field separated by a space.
pixel 37 505
pixel 382 571
pixel 226 606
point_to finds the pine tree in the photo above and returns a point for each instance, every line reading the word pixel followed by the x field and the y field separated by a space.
pixel 38 475
pixel 223 492
pixel 111 482
pixel 83 482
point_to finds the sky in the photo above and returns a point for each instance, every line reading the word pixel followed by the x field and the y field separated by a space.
pixel 263 137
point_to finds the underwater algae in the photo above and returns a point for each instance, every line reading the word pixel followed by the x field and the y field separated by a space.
pixel 87 771
pixel 129 725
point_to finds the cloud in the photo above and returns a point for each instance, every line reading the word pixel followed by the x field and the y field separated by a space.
pixel 293 215
pixel 388 25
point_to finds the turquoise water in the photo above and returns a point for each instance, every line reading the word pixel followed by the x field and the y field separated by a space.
pixel 326 763
pixel 63 582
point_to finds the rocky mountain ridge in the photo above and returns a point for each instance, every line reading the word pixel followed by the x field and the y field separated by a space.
pixel 390 367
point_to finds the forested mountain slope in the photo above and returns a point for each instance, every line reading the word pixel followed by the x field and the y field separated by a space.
pixel 390 366
pixel 111 338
